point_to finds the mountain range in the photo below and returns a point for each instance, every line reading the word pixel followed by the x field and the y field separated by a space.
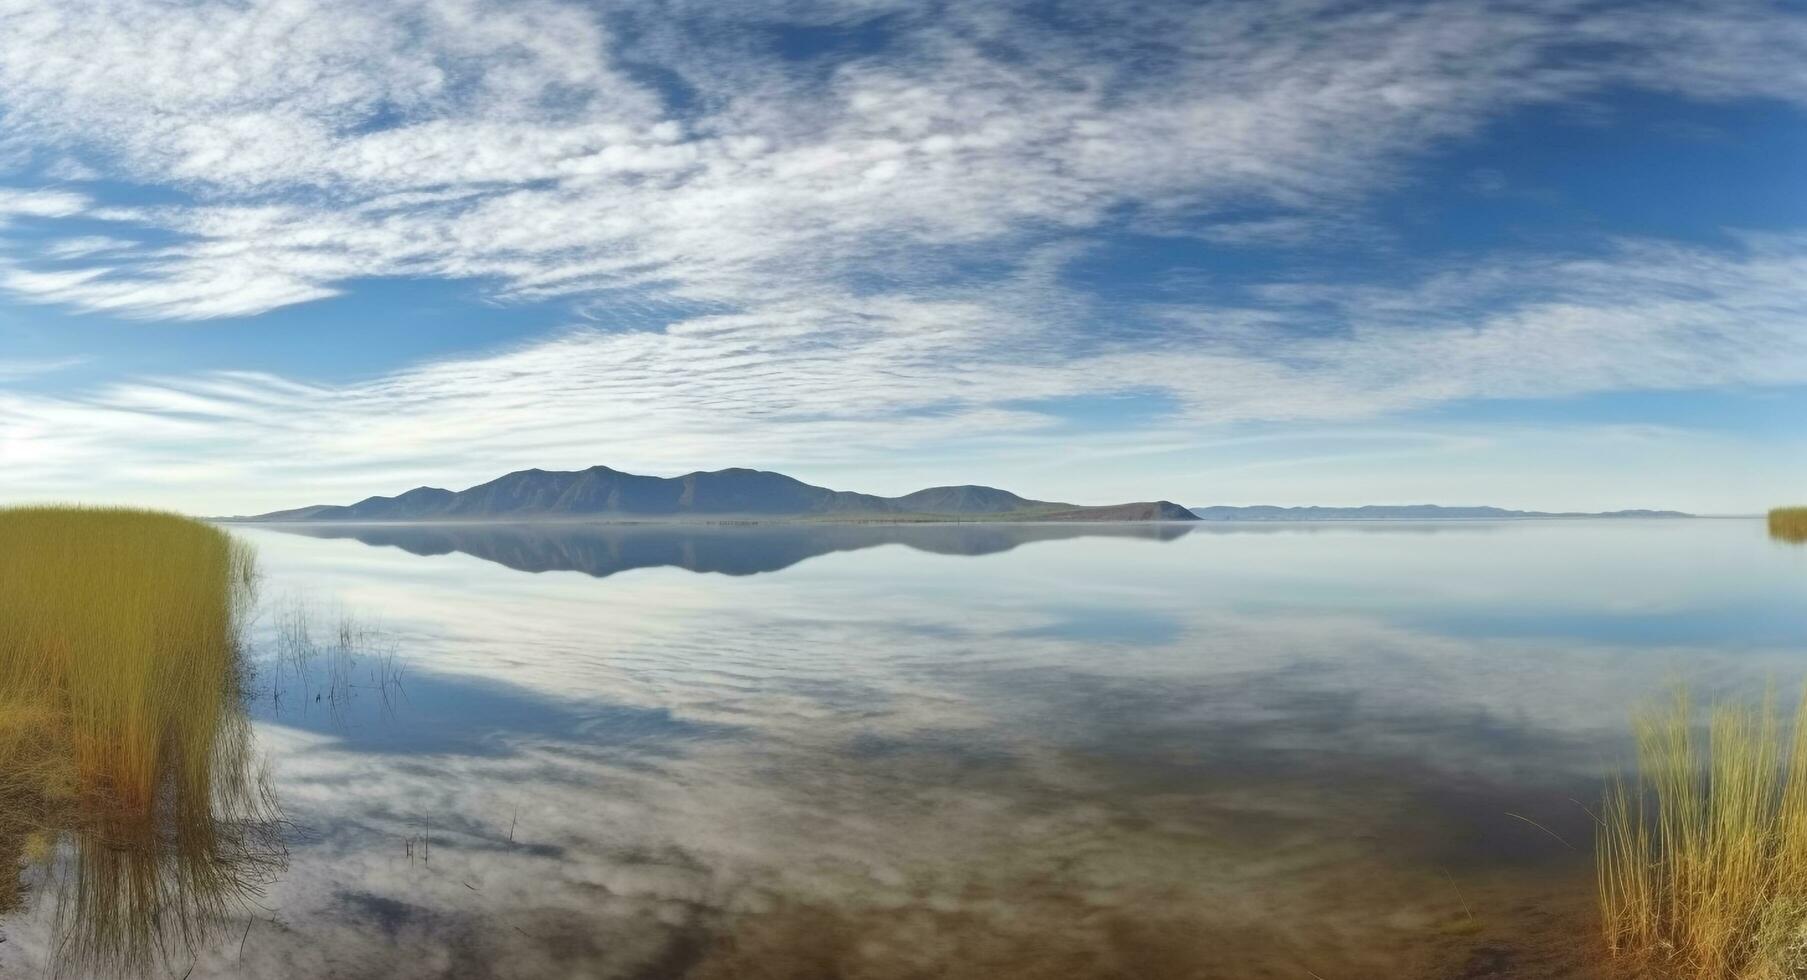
pixel 1405 512
pixel 601 493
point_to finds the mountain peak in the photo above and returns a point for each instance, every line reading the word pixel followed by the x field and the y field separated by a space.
pixel 602 493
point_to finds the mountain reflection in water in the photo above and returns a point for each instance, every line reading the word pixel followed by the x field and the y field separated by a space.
pixel 1346 751
pixel 601 550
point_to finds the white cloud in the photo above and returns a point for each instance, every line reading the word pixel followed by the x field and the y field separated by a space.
pixel 812 229
pixel 1649 317
pixel 30 203
pixel 824 386
pixel 322 140
pixel 76 248
pixel 14 368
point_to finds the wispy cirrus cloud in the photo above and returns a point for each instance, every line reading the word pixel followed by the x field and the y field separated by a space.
pixel 534 145
pixel 14 369
pixel 818 387
pixel 17 203
pixel 852 253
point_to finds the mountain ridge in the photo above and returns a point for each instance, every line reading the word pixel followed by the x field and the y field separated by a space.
pixel 601 492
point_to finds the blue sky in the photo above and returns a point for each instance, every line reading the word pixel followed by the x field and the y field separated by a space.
pixel 1541 253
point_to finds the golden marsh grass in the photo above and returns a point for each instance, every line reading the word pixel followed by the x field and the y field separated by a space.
pixel 1702 861
pixel 126 769
pixel 1788 524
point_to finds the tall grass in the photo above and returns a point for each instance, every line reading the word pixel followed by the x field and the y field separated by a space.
pixel 126 767
pixel 1702 860
pixel 1788 524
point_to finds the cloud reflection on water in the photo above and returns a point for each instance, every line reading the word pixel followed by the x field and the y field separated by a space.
pixel 888 763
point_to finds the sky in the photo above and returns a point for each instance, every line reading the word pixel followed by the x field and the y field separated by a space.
pixel 1545 253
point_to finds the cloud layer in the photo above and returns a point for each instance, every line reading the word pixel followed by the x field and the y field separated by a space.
pixel 663 147
pixel 816 387
pixel 806 226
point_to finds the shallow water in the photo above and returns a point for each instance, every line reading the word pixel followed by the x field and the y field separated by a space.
pixel 970 751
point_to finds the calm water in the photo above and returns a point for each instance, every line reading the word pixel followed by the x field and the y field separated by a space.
pixel 970 751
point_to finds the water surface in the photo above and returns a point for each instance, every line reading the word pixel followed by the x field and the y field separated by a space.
pixel 971 750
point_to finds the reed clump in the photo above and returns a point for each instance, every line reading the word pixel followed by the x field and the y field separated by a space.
pixel 1789 524
pixel 1702 860
pixel 126 763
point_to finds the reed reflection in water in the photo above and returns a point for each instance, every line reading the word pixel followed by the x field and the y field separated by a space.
pixel 131 798
pixel 1789 524
pixel 697 752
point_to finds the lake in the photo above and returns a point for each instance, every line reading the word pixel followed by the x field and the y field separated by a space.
pixel 1336 750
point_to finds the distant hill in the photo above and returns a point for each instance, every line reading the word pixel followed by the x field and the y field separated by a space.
pixel 1405 512
pixel 601 493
